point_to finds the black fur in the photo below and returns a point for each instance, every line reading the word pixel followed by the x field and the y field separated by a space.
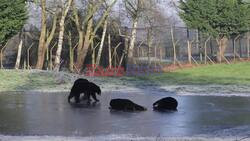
pixel 125 105
pixel 84 86
pixel 81 80
pixel 91 89
pixel 167 103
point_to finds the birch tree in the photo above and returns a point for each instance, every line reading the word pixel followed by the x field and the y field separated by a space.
pixel 65 11
pixel 135 9
pixel 102 42
pixel 86 35
pixel 19 53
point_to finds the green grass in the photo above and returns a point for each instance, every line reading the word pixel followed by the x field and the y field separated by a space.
pixel 222 74
pixel 13 80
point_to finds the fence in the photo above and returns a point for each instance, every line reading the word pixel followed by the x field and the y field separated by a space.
pixel 156 45
pixel 180 45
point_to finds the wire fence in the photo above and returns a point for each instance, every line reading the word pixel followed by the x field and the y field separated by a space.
pixel 172 44
pixel 157 45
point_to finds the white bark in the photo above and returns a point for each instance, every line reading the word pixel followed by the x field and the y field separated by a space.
pixel 189 45
pixel 19 52
pixel 102 42
pixel 132 42
pixel 173 43
pixel 110 58
pixel 61 35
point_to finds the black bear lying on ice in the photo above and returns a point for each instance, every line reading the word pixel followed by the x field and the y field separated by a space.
pixel 167 103
pixel 125 105
pixel 84 86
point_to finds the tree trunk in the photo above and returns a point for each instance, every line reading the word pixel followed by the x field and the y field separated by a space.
pixel 155 55
pixel 52 32
pixel 132 42
pixel 109 45
pixel 50 38
pixel 81 38
pixel 149 42
pixel 60 43
pixel 102 42
pixel 223 46
pixel 248 38
pixel 19 53
pixel 61 35
pixel 42 47
pixel 93 54
pixel 71 54
pixel 173 43
pixel 81 54
pixel 189 52
pixel 80 30
pixel 240 49
pixel 222 43
pixel 126 45
pixel 205 51
pixel 83 47
pixel 84 38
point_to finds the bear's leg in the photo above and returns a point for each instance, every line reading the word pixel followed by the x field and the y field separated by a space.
pixel 85 96
pixel 88 96
pixel 69 97
pixel 77 98
pixel 134 108
pixel 125 108
pixel 94 97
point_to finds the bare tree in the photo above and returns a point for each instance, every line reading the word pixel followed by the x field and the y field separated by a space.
pixel 133 8
pixel 65 11
pixel 42 40
pixel 87 35
pixel 153 19
pixel 102 42
pixel 46 34
pixel 136 10
pixel 222 44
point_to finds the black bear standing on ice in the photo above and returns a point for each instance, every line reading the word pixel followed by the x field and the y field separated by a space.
pixel 84 86
pixel 76 89
pixel 125 105
pixel 167 103
pixel 91 90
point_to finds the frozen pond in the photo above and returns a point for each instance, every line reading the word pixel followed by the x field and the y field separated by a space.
pixel 28 114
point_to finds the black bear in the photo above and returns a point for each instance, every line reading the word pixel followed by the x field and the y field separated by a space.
pixel 91 89
pixel 81 80
pixel 125 105
pixel 76 89
pixel 167 103
pixel 84 86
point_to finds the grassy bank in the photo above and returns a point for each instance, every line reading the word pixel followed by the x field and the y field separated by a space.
pixel 221 74
pixel 15 80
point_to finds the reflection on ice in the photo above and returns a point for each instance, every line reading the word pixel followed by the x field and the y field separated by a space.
pixel 124 137
pixel 49 114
